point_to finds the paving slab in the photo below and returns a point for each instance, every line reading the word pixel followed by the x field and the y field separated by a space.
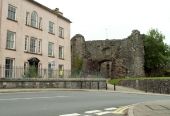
pixel 156 108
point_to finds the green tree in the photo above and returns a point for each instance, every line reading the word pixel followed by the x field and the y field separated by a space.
pixel 77 65
pixel 156 52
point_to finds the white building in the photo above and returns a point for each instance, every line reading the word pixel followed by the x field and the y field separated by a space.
pixel 32 35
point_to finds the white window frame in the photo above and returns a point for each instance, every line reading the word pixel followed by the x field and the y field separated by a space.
pixel 8 40
pixel 61 52
pixel 40 23
pixel 51 27
pixel 26 45
pixel 27 18
pixel 33 50
pixel 12 14
pixel 61 70
pixel 34 19
pixel 61 32
pixel 50 50
pixel 39 46
pixel 10 71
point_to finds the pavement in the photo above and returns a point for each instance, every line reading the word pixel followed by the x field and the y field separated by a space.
pixel 124 89
pixel 154 108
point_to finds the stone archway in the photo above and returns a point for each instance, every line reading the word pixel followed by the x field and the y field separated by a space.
pixel 33 62
pixel 106 68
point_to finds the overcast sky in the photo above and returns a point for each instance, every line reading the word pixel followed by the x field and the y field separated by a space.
pixel 114 19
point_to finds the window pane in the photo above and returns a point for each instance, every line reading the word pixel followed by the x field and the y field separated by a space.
pixel 34 19
pixel 33 45
pixel 11 12
pixel 61 32
pixel 10 40
pixel 39 46
pixel 50 49
pixel 61 70
pixel 51 27
pixel 27 18
pixel 9 68
pixel 61 52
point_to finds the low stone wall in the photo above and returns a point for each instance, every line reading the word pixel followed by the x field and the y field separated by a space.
pixel 148 85
pixel 80 83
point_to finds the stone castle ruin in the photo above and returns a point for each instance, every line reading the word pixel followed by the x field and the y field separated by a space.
pixel 111 58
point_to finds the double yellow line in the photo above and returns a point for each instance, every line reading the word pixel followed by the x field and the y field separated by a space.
pixel 122 109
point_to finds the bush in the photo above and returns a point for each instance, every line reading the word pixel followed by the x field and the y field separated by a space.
pixel 31 72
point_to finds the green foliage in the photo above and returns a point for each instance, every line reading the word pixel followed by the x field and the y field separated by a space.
pixel 78 63
pixel 77 66
pixel 156 52
pixel 117 81
pixel 31 72
pixel 114 81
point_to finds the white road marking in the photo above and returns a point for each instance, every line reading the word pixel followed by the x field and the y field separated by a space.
pixel 102 113
pixel 92 111
pixel 74 114
pixel 13 99
pixel 109 109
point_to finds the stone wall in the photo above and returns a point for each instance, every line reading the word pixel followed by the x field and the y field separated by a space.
pixel 148 85
pixel 61 83
pixel 114 58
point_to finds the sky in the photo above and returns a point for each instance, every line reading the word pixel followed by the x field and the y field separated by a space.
pixel 114 19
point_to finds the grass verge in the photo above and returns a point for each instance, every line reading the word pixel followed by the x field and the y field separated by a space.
pixel 117 81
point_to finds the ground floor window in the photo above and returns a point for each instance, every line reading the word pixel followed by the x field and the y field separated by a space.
pixel 61 70
pixel 61 52
pixel 9 67
pixel 50 70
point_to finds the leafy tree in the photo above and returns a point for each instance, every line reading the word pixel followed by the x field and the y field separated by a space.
pixel 156 52
pixel 77 64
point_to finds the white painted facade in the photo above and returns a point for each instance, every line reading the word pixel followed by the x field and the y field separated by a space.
pixel 21 26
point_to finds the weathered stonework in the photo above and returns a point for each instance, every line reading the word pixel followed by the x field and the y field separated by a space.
pixel 148 85
pixel 112 58
pixel 69 83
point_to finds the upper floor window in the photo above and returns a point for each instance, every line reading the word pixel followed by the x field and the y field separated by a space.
pixel 33 45
pixel 61 52
pixel 10 43
pixel 40 23
pixel 50 49
pixel 51 27
pixel 26 43
pixel 39 46
pixel 27 18
pixel 61 32
pixel 34 19
pixel 11 12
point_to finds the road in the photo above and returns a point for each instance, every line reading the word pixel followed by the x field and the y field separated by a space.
pixel 74 103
